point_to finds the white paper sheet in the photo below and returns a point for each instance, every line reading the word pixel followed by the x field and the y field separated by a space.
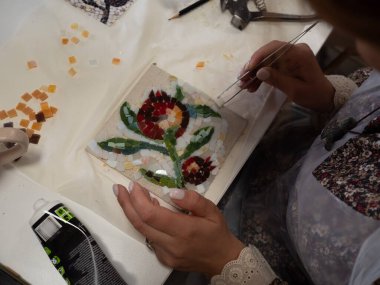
pixel 142 36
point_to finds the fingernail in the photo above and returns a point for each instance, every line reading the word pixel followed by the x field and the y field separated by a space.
pixel 130 186
pixel 263 74
pixel 115 189
pixel 177 194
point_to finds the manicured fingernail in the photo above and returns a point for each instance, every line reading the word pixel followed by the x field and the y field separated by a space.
pixel 115 189
pixel 177 194
pixel 263 74
pixel 130 186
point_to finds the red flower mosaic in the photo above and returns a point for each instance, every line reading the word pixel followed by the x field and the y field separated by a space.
pixel 160 112
pixel 196 170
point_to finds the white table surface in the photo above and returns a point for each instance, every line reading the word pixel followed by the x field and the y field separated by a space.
pixel 58 167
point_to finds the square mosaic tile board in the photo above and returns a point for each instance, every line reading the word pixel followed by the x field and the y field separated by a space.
pixel 167 134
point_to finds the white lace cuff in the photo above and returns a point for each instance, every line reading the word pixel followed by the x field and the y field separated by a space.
pixel 250 269
pixel 344 87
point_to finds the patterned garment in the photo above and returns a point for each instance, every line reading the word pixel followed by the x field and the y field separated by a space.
pixel 106 11
pixel 264 208
pixel 352 173
pixel 360 75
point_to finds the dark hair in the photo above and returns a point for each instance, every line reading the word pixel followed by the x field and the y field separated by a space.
pixel 360 18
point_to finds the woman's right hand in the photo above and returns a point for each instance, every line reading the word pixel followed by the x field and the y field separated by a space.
pixel 296 73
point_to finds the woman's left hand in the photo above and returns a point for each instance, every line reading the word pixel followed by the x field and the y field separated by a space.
pixel 198 242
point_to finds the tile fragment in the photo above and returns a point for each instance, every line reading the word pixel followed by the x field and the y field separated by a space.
pixel 64 41
pixel 36 126
pixel 34 138
pixel 31 64
pixel 72 72
pixel 52 88
pixel 72 59
pixel 116 61
pixel 24 123
pixel 3 114
pixel 26 97
pixel 12 113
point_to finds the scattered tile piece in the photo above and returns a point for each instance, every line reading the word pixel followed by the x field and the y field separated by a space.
pixel 43 96
pixel 44 88
pixel 72 59
pixel 85 34
pixel 27 111
pixel 26 97
pixel 31 64
pixel 75 40
pixel 12 113
pixel 40 117
pixel 64 41
pixel 3 115
pixel 116 61
pixel 32 116
pixel 24 123
pixel 44 106
pixel 53 110
pixel 36 126
pixel 74 26
pixel 72 72
pixel 47 113
pixel 29 132
pixel 36 94
pixel 200 64
pixel 20 106
pixel 51 88
pixel 8 125
pixel 34 138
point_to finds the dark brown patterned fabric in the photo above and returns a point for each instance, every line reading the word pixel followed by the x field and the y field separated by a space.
pixel 360 75
pixel 352 173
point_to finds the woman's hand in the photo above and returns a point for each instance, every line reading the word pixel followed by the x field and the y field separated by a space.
pixel 198 242
pixel 296 73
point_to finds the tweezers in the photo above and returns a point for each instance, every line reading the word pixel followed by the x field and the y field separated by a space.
pixel 267 61
pixel 269 16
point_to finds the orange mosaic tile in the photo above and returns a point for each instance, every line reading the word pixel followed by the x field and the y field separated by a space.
pixel 36 126
pixel 36 94
pixel 75 40
pixel 26 97
pixel 32 116
pixel 27 110
pixel 72 59
pixel 12 113
pixel 47 113
pixel 43 96
pixel 3 115
pixel 31 64
pixel 44 106
pixel 85 34
pixel 200 64
pixel 116 61
pixel 20 106
pixel 64 41
pixel 72 72
pixel 24 123
pixel 54 110
pixel 52 88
